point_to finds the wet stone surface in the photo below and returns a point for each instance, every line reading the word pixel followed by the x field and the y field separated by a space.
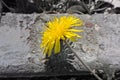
pixel 20 38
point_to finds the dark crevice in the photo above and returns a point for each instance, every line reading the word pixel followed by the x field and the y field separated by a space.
pixel 8 6
pixel 80 75
pixel 55 6
pixel 19 6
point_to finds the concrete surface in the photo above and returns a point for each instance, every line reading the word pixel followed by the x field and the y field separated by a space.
pixel 20 38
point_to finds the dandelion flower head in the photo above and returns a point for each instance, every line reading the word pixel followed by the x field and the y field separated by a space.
pixel 59 29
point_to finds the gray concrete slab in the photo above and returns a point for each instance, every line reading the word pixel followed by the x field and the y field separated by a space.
pixel 20 38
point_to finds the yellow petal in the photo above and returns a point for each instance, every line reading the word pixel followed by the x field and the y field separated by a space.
pixel 57 46
pixel 50 49
pixel 69 34
pixel 45 50
pixel 62 37
pixel 73 39
pixel 75 30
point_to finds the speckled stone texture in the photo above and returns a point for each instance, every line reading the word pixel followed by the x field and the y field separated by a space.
pixel 20 39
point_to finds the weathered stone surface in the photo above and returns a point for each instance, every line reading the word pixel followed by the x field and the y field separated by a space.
pixel 16 54
pixel 20 39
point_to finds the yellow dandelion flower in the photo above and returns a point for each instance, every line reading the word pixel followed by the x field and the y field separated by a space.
pixel 59 29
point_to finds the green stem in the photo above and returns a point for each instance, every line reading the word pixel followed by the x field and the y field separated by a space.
pixel 86 66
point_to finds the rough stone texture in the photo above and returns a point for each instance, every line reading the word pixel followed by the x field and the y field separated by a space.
pixel 20 39
pixel 16 54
